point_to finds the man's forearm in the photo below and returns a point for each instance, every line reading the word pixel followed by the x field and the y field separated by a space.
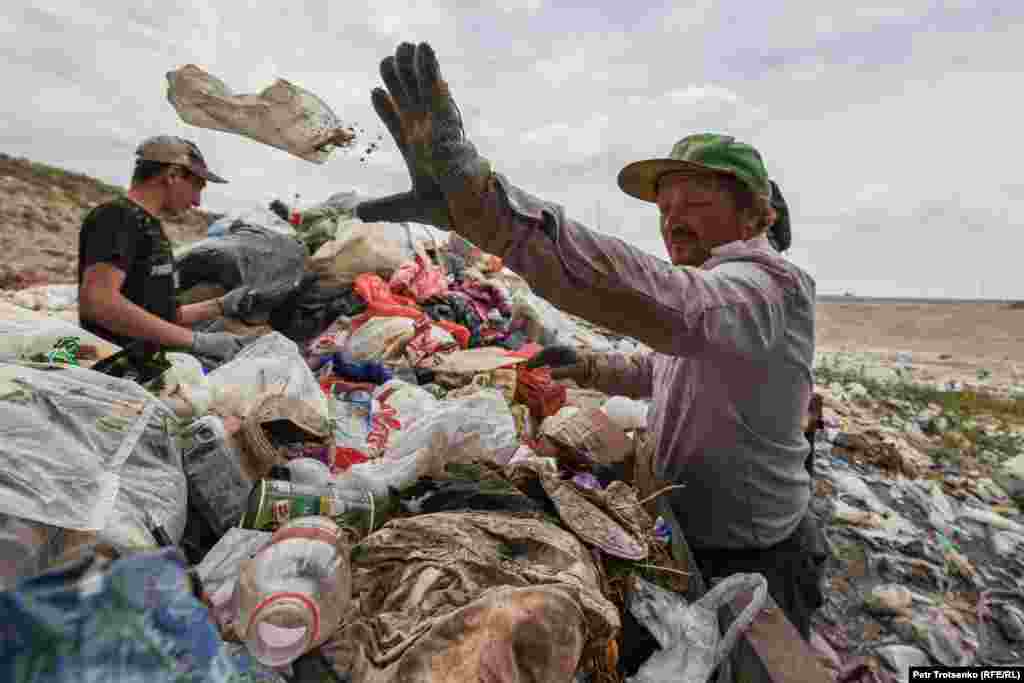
pixel 608 282
pixel 121 316
pixel 191 314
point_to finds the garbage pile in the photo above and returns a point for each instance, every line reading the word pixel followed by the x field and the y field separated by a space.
pixel 348 496
pixel 923 509
pixel 379 488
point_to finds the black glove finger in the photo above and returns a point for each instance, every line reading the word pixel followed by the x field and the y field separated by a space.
pixel 389 72
pixel 435 90
pixel 386 110
pixel 405 61
pixel 406 206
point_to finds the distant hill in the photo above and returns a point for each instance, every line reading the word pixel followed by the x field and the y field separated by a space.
pixel 41 211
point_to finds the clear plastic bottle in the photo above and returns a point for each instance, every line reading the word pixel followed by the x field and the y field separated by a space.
pixel 293 593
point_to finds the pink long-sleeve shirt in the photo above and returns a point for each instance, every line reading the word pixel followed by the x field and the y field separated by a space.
pixel 731 374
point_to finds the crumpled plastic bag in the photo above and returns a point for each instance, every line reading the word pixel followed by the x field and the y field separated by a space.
pixel 687 634
pixel 245 255
pixel 420 279
pixel 73 445
pixel 363 248
pixel 380 339
pixel 271 363
pixel 485 413
pixel 22 339
pixel 133 620
pixel 283 115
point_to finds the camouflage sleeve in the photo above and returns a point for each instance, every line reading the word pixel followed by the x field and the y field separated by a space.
pixel 620 374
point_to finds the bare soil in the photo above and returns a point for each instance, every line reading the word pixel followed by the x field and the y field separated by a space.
pixel 946 341
pixel 41 212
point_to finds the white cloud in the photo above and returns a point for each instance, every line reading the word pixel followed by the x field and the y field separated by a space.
pixel 891 130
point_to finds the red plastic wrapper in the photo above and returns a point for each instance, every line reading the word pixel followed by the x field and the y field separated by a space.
pixel 460 332
pixel 344 458
pixel 381 301
pixel 541 394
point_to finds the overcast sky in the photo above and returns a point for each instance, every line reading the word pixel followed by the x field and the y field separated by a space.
pixel 893 129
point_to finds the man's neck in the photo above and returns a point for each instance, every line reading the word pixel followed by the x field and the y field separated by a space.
pixel 149 200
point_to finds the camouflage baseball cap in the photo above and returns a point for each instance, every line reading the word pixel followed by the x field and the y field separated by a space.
pixel 169 149
pixel 702 153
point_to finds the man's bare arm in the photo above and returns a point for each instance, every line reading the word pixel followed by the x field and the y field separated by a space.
pixel 101 301
pixel 200 311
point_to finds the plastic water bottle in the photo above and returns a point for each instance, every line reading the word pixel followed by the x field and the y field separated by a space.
pixel 293 593
pixel 274 502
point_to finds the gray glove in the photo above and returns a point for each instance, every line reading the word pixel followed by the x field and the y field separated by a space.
pixel 237 303
pixel 426 124
pixel 219 346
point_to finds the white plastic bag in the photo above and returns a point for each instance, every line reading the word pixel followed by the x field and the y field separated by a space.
pixel 549 326
pixel 271 363
pixel 382 338
pixel 82 450
pixel 409 401
pixel 485 413
pixel 23 338
pixel 626 413
pixel 283 115
pixel 48 297
pixel 363 248
pixel 688 635
pixel 351 424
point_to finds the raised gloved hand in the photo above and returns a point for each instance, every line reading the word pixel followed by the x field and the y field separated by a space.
pixel 564 362
pixel 426 124
pixel 219 346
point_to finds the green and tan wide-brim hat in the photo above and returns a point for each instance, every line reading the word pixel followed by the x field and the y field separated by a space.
pixel 701 153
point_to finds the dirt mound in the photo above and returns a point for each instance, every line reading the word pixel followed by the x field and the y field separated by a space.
pixel 41 212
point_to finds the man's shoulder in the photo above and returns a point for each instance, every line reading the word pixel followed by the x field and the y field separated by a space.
pixel 119 212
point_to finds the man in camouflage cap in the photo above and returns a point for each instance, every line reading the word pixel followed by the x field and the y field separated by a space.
pixel 730 321
pixel 126 274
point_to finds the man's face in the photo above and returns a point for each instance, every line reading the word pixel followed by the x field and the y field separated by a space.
pixel 183 190
pixel 696 216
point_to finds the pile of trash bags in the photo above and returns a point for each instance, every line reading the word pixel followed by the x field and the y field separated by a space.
pixel 377 488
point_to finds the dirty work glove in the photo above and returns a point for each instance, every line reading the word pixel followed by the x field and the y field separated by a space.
pixel 565 363
pixel 237 303
pixel 219 346
pixel 427 127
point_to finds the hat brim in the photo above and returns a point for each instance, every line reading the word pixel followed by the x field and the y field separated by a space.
pixel 640 178
pixel 206 173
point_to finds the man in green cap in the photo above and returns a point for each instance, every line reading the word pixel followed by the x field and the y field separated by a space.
pixel 126 274
pixel 731 322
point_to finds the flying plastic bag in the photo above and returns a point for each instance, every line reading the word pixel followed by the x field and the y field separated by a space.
pixel 687 634
pixel 283 115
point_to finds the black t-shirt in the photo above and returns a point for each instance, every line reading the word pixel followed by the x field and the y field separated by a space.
pixel 127 236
